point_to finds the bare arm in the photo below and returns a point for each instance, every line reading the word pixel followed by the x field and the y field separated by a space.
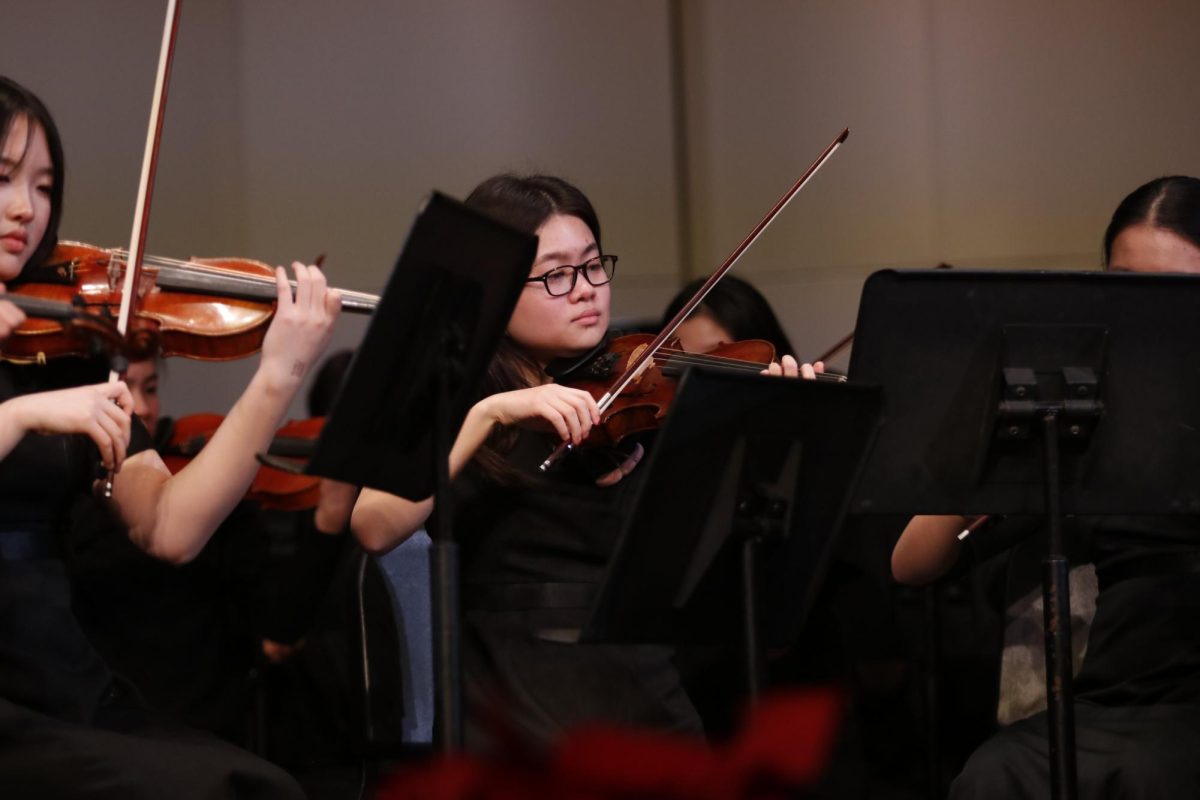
pixel 927 549
pixel 100 412
pixel 172 517
pixel 381 520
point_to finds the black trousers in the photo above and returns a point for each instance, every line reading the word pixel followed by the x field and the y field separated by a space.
pixel 1123 752
pixel 129 754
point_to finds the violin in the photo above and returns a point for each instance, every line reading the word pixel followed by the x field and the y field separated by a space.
pixel 642 359
pixel 79 333
pixel 211 309
pixel 643 404
pixel 272 488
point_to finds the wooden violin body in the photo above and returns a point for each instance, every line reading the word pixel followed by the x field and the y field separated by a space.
pixel 74 331
pixel 643 404
pixel 167 322
pixel 210 309
pixel 272 488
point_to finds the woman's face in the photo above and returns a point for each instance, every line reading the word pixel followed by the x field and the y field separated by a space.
pixel 1146 248
pixel 555 327
pixel 26 180
pixel 701 333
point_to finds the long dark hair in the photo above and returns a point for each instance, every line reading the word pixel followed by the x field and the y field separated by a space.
pixel 738 308
pixel 525 202
pixel 1171 203
pixel 16 102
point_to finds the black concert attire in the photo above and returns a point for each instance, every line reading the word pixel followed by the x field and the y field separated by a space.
pixel 533 553
pixel 1137 710
pixel 68 728
pixel 189 636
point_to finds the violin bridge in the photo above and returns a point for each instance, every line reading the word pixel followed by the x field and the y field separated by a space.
pixel 633 356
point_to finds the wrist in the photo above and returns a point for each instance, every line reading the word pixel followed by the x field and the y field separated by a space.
pixel 278 382
pixel 14 416
pixel 483 413
pixel 327 523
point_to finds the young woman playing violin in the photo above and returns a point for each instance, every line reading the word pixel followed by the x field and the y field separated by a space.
pixel 1137 691
pixel 190 637
pixel 66 728
pixel 534 546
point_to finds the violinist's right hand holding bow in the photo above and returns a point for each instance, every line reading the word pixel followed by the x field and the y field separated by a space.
pixel 101 412
pixel 381 521
pixel 571 413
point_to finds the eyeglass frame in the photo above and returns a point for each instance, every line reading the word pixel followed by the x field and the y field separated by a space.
pixel 578 269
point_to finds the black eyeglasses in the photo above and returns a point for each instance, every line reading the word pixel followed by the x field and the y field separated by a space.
pixel 561 280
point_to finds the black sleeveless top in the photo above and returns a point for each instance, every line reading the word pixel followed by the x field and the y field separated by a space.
pixel 46 662
pixel 1144 643
pixel 532 556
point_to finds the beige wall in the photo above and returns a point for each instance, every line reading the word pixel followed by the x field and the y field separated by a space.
pixel 982 133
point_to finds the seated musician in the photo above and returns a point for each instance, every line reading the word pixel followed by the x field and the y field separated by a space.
pixel 67 728
pixel 1137 710
pixel 534 547
pixel 732 312
pixel 189 637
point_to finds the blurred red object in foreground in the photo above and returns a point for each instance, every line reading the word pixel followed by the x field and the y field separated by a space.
pixel 784 746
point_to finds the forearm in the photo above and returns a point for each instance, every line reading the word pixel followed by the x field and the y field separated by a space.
pixel 927 549
pixel 173 518
pixel 381 521
pixel 12 429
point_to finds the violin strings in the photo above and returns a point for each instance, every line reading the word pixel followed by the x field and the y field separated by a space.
pixel 665 356
pixel 704 358
pixel 748 366
pixel 681 358
pixel 225 273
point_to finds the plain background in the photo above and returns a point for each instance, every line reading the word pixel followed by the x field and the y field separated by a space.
pixel 983 134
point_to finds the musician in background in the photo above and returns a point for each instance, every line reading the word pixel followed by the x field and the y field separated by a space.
pixel 733 311
pixel 1137 709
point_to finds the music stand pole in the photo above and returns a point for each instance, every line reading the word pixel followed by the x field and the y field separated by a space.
pixel 457 279
pixel 1056 602
pixel 443 565
pixel 760 526
pixel 752 642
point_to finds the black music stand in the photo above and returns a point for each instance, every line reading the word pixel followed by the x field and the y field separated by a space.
pixel 746 486
pixel 1037 393
pixel 411 382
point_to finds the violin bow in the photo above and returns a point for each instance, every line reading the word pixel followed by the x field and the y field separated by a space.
pixel 141 210
pixel 646 357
